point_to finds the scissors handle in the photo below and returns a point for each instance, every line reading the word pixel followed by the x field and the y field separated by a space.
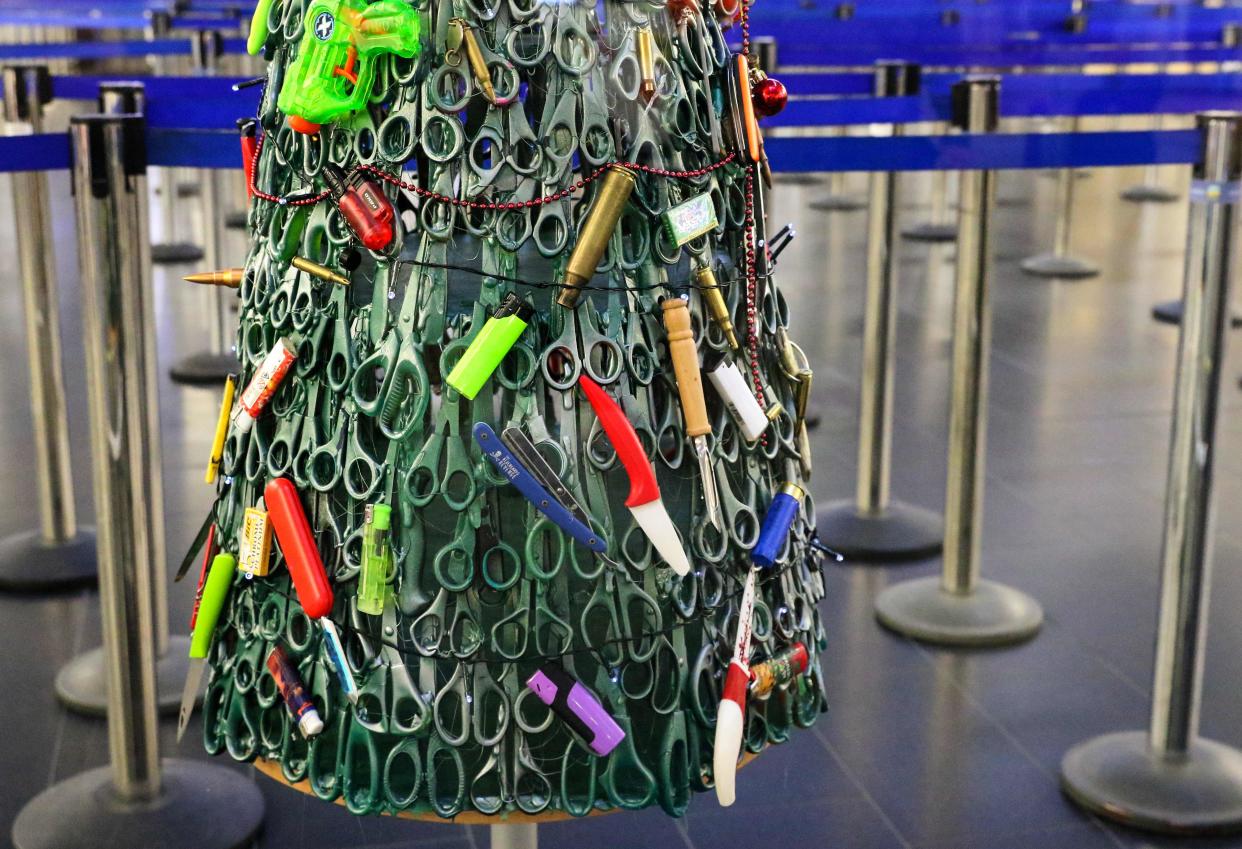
pixel 518 475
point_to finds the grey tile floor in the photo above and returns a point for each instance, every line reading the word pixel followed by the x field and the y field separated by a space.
pixel 922 747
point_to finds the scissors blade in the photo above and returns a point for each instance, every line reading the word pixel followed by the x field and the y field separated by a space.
pixel 526 452
pixel 189 696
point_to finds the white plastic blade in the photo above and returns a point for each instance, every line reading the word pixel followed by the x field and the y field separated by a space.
pixel 656 524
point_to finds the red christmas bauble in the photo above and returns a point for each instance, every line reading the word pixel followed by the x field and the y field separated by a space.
pixel 770 96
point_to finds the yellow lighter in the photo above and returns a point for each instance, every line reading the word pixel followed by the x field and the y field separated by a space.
pixel 222 429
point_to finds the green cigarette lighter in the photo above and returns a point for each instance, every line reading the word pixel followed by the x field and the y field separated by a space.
pixel 376 559
pixel 490 346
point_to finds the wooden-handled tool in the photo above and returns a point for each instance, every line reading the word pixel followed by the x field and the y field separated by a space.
pixel 685 358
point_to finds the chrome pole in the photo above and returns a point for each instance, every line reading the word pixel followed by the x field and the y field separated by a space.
pixel 1169 779
pixel 82 684
pixel 958 608
pixel 941 227
pixel 56 555
pixel 1150 190
pixel 137 800
pixel 1060 263
pixel 169 251
pixel 218 361
pixel 872 526
pixel 514 836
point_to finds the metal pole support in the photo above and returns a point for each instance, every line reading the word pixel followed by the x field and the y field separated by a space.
pixel 958 608
pixel 941 227
pixel 212 366
pixel 1169 779
pixel 514 836
pixel 57 555
pixel 137 800
pixel 169 251
pixel 82 684
pixel 837 200
pixel 1060 263
pixel 1150 190
pixel 872 526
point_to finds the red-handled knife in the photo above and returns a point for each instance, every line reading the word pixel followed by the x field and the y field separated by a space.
pixel 644 499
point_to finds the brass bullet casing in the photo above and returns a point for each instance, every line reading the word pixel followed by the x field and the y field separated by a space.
pixel 802 394
pixel 230 277
pixel 646 63
pixel 804 451
pixel 713 298
pixel 316 270
pixel 601 222
pixel 478 65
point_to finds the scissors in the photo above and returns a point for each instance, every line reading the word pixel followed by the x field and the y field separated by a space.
pixel 389 702
pixel 453 479
pixel 626 780
pixel 581 347
pixel 403 773
pixel 360 769
pixel 446 778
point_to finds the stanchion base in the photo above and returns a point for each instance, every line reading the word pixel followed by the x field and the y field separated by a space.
pixel 1063 267
pixel 992 615
pixel 900 532
pixel 29 565
pixel 200 806
pixel 838 203
pixel 1170 312
pixel 205 369
pixel 931 233
pixel 1149 194
pixel 81 684
pixel 189 190
pixel 236 220
pixel 1119 777
pixel 177 253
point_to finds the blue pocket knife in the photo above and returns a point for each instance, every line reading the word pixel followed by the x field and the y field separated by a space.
pixel 518 475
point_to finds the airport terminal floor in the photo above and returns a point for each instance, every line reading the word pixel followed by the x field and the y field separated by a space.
pixel 920 746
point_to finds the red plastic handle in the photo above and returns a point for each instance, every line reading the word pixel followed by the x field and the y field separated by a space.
pixel 249 147
pixel 643 486
pixel 296 541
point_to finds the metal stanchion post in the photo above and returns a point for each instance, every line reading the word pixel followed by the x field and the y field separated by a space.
pixel 1168 778
pixel 1150 190
pixel 218 361
pixel 82 684
pixel 873 526
pixel 137 800
pixel 169 251
pixel 837 200
pixel 957 608
pixel 941 227
pixel 514 836
pixel 1060 263
pixel 59 554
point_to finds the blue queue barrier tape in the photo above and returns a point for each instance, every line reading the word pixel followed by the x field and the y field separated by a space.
pixel 184 88
pixel 1025 96
pixel 799 50
pixel 983 152
pixel 193 148
pixel 109 49
pixel 37 152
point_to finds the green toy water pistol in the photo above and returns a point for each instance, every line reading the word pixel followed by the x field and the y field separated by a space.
pixel 490 346
pixel 334 71
pixel 376 559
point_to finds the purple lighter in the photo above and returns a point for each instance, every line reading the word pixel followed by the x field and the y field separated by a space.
pixel 578 707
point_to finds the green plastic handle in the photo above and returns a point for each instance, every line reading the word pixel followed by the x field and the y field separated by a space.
pixel 258 28
pixel 215 591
